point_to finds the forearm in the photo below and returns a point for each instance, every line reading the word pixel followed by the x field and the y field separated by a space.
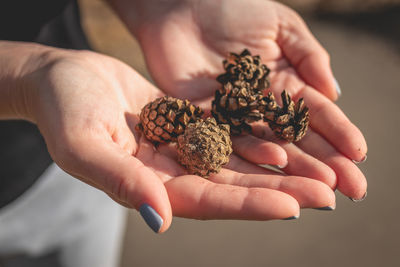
pixel 17 61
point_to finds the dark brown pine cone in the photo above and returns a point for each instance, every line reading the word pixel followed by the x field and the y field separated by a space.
pixel 237 105
pixel 165 118
pixel 289 122
pixel 204 147
pixel 245 67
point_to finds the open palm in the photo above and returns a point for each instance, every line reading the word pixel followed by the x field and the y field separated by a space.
pixel 87 106
pixel 184 43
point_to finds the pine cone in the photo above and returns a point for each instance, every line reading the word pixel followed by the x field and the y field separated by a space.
pixel 237 105
pixel 245 67
pixel 163 119
pixel 289 122
pixel 204 147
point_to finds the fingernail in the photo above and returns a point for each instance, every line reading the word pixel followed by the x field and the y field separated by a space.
pixel 151 217
pixel 338 90
pixel 364 159
pixel 282 166
pixel 359 200
pixel 328 208
pixel 291 218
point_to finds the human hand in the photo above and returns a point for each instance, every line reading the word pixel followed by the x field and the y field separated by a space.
pixel 184 43
pixel 86 105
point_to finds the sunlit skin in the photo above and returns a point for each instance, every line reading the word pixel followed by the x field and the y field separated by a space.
pixel 86 105
pixel 184 43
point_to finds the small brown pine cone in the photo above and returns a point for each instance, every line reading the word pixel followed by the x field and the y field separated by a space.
pixel 268 105
pixel 245 67
pixel 204 147
pixel 165 118
pixel 289 122
pixel 237 106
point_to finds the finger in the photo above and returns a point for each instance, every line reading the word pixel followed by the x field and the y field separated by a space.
pixel 126 205
pixel 259 151
pixel 328 120
pixel 195 197
pixel 309 193
pixel 305 53
pixel 350 180
pixel 119 174
pixel 100 187
pixel 300 163
pixel 238 164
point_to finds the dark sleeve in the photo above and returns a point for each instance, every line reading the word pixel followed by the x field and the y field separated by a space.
pixel 23 158
pixel 21 20
pixel 23 152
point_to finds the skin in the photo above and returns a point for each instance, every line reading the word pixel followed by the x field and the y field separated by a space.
pixel 184 43
pixel 86 106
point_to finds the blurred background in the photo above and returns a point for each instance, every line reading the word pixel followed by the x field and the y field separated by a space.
pixel 363 39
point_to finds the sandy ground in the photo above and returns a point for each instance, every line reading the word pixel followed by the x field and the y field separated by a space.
pixel 366 62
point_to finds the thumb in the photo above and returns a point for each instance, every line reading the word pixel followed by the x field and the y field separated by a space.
pixel 305 53
pixel 126 179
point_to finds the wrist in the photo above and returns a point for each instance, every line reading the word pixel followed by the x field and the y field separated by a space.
pixel 19 82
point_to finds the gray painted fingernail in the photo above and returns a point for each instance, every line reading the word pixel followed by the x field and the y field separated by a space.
pixel 364 159
pixel 328 208
pixel 291 218
pixel 359 200
pixel 151 217
pixel 338 90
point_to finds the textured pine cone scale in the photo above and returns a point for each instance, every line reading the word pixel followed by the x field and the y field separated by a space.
pixel 240 100
pixel 289 122
pixel 245 67
pixel 165 118
pixel 237 106
pixel 204 147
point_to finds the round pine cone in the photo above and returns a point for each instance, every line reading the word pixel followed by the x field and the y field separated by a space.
pixel 289 122
pixel 165 118
pixel 245 67
pixel 204 147
pixel 237 105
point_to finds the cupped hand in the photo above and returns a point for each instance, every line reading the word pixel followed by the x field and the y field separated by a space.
pixel 86 105
pixel 185 41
